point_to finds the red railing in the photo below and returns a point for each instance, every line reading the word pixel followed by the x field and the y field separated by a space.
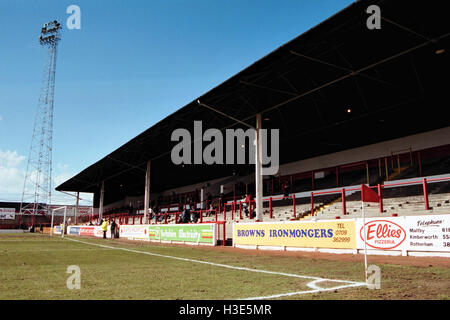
pixel 342 192
pixel 379 187
pixel 222 205
pixel 236 207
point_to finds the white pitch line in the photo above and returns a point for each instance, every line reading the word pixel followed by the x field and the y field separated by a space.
pixel 311 284
pixel 307 291
pixel 31 241
pixel 50 250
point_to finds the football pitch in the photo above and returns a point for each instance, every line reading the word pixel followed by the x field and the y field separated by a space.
pixel 35 266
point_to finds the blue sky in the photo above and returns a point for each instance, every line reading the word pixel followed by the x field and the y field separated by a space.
pixel 131 64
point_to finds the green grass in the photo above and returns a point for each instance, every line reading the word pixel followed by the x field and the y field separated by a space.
pixel 33 266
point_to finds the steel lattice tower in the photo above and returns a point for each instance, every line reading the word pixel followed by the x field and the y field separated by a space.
pixel 37 188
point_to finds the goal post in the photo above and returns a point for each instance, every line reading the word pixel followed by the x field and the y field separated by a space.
pixel 64 220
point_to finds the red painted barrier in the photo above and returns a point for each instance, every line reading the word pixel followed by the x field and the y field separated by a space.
pixel 270 208
pixel 344 206
pixel 293 205
pixel 380 201
pixel 123 218
pixel 425 193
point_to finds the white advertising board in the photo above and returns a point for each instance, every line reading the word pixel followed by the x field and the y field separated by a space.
pixel 98 232
pixel 411 233
pixel 134 231
pixel 7 213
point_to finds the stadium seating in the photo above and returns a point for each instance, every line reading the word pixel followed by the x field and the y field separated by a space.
pixel 405 200
pixel 398 200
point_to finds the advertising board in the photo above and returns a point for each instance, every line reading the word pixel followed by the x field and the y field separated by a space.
pixel 73 230
pixel 312 234
pixel 7 213
pixel 411 233
pixel 199 233
pixel 87 231
pixel 134 231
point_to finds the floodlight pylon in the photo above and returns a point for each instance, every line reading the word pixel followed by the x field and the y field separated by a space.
pixel 37 187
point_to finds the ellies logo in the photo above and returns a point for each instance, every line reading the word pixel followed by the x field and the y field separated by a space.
pixel 383 234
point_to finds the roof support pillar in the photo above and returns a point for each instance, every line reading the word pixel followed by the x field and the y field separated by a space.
pixel 147 192
pixel 202 199
pixel 102 199
pixel 258 169
pixel 76 207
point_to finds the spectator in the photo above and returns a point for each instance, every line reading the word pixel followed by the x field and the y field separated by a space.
pixel 113 229
pixel 248 206
pixel 104 228
pixel 184 218
pixel 160 217
pixel 211 210
pixel 149 214
pixel 194 215
pixel 155 212
pixel 245 204
pixel 285 187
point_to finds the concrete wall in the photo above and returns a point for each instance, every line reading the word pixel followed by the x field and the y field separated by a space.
pixel 420 141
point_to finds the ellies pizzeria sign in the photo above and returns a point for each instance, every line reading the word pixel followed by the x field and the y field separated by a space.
pixel 383 234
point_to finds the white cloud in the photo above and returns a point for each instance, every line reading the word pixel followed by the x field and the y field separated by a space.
pixel 10 159
pixel 60 178
pixel 62 167
pixel 12 176
pixel 11 183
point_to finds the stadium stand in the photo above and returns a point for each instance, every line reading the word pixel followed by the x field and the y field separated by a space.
pixel 398 200
pixel 395 133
